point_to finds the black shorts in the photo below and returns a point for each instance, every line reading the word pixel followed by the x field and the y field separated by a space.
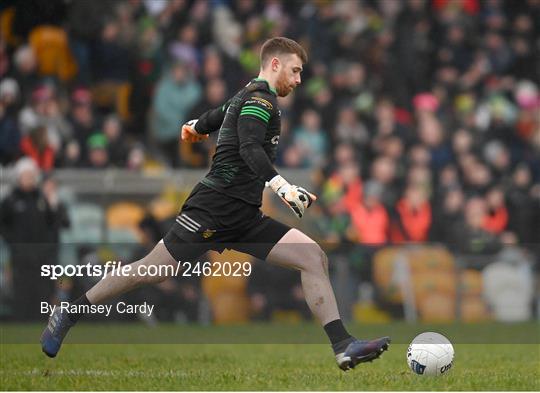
pixel 210 220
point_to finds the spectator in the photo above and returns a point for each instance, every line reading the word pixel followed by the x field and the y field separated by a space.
pixel 448 217
pixel 521 205
pixel 98 156
pixel 30 245
pixel 472 238
pixel 36 146
pixel 310 142
pixel 58 128
pixel 214 97
pixel 477 178
pixel 117 149
pixel 370 218
pixel 498 157
pixel 349 129
pixel 71 155
pixel 10 134
pixel 111 61
pixel 61 219
pixel 462 142
pixel 136 158
pixel 419 155
pixel 383 172
pixel 413 216
pixel 84 21
pixel 82 117
pixel 431 134
pixel 339 196
pixel 497 216
pixel 34 114
pixel 147 68
pixel 323 103
pixel 184 48
pixel 212 67
pixel 420 176
pixel 176 95
pixel 25 71
pixel 447 179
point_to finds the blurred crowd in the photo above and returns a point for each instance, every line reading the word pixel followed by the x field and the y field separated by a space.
pixel 416 116
pixel 419 119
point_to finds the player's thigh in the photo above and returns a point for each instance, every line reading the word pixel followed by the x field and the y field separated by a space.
pixel 159 255
pixel 180 250
pixel 297 250
pixel 262 235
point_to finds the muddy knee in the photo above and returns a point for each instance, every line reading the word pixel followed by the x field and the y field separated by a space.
pixel 317 258
pixel 323 259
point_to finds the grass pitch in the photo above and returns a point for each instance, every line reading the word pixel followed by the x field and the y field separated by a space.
pixel 234 366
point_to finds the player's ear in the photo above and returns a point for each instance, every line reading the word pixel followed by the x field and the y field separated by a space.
pixel 275 64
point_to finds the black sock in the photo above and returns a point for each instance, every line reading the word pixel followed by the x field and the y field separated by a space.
pixel 336 331
pixel 74 316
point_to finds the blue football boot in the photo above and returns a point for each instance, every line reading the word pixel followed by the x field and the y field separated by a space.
pixel 358 351
pixel 53 335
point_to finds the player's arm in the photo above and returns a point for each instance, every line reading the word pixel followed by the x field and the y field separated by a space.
pixel 252 126
pixel 210 121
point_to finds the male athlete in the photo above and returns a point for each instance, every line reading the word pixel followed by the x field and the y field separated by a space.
pixel 224 207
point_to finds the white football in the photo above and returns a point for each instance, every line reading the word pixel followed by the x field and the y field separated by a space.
pixel 430 354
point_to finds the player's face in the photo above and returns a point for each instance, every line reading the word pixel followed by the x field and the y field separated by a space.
pixel 289 74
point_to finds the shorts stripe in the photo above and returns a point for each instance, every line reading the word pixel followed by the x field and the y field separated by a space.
pixel 186 225
pixel 191 220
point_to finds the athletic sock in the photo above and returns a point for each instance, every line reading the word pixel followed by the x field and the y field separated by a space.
pixel 337 334
pixel 74 316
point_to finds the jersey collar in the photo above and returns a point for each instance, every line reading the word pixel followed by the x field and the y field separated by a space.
pixel 268 84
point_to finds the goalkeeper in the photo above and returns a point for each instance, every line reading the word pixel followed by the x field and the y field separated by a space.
pixel 224 207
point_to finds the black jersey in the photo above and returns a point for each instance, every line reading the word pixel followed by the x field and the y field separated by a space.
pixel 249 129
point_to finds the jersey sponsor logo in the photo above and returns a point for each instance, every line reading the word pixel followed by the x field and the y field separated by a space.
pixel 258 100
pixel 275 140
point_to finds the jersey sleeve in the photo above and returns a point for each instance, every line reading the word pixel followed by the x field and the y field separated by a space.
pixel 210 121
pixel 259 107
pixel 253 122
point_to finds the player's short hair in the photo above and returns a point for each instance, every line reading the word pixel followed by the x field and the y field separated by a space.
pixel 281 45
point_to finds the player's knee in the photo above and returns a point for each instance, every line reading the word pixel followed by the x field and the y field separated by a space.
pixel 323 259
pixel 318 257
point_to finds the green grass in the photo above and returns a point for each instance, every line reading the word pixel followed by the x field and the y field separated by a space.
pixel 253 366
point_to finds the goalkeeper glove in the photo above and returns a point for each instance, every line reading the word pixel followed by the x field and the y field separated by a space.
pixel 189 134
pixel 297 198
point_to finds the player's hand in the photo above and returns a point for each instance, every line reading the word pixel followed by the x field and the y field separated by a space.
pixel 189 134
pixel 297 198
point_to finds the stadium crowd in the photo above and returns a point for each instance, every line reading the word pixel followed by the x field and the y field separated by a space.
pixel 420 120
pixel 419 107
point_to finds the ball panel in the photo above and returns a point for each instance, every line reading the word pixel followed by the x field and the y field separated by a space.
pixel 430 354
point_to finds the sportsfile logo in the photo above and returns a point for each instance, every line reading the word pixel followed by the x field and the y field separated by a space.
pixel 109 268
pixel 119 269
